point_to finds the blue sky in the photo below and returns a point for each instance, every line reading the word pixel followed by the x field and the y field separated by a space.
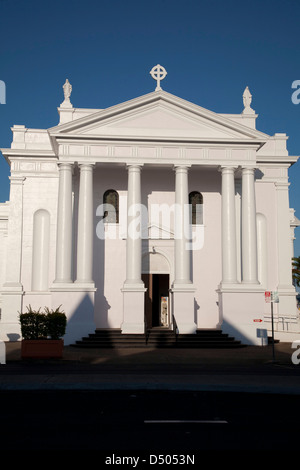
pixel 211 49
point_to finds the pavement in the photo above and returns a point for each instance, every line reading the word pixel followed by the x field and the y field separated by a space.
pixel 265 369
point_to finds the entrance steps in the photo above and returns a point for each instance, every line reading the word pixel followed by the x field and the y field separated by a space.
pixel 157 338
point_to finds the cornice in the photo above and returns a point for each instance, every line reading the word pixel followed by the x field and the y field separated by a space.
pixel 278 159
pixel 85 138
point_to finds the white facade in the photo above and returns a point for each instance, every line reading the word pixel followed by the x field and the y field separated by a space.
pixel 153 151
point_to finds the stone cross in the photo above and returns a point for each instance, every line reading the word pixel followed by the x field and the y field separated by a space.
pixel 158 73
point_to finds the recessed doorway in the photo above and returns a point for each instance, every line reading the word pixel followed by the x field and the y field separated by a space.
pixel 157 300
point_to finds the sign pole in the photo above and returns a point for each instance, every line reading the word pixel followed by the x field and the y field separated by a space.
pixel 271 297
pixel 273 350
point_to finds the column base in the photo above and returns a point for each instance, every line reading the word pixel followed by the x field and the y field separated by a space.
pixel 85 284
pixel 133 309
pixel 62 282
pixel 240 287
pixel 251 283
pixel 183 302
pixel 133 286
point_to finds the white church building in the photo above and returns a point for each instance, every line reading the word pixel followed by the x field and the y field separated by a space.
pixel 152 211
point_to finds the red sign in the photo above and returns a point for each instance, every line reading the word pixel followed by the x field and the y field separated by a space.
pixel 268 296
pixel 257 319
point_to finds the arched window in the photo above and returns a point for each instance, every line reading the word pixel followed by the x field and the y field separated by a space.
pixel 196 207
pixel 111 206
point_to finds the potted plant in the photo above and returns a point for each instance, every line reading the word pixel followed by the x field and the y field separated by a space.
pixel 42 333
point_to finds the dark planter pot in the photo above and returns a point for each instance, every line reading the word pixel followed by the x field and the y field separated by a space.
pixel 42 348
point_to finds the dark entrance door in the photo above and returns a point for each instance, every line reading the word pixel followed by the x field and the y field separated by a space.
pixel 156 298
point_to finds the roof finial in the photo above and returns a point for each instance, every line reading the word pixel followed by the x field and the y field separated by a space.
pixel 67 87
pixel 158 72
pixel 247 99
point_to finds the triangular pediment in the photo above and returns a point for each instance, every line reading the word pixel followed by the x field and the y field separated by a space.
pixel 158 115
pixel 157 232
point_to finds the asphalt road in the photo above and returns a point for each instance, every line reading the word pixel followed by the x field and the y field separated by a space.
pixel 147 424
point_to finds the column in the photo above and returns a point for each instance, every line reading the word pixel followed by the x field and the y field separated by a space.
pixel 134 289
pixel 64 225
pixel 243 302
pixel 183 300
pixel 85 226
pixel 182 227
pixel 134 228
pixel 229 248
pixel 249 235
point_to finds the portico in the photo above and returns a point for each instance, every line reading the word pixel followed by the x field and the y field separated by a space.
pixel 182 289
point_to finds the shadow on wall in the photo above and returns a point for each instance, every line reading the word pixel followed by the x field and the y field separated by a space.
pixel 249 335
pixel 196 311
pixel 102 306
pixel 13 337
pixel 81 321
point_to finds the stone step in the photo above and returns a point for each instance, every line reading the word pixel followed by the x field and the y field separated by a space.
pixel 157 338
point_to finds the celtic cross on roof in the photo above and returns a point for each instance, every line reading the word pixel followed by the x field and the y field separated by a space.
pixel 158 72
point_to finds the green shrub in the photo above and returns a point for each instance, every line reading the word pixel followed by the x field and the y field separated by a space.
pixel 42 325
pixel 33 324
pixel 56 323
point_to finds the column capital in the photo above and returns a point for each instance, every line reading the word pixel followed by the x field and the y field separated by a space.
pixel 227 168
pixel 248 168
pixel 181 166
pixel 130 166
pixel 86 167
pixel 65 165
pixel 87 164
